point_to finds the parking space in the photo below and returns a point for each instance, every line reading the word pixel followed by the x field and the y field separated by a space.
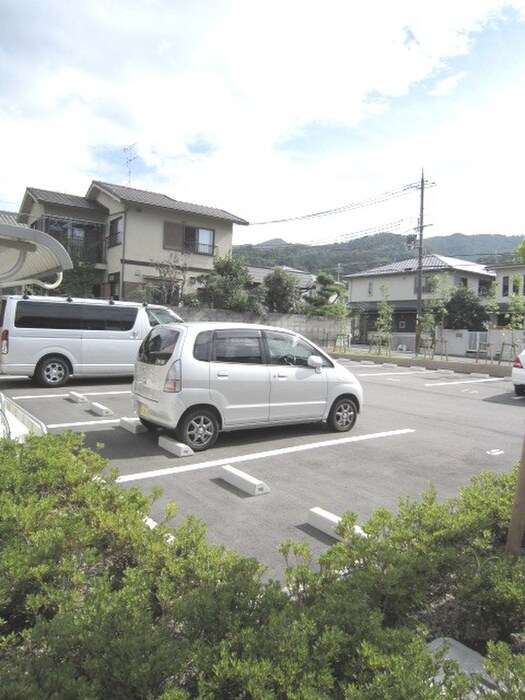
pixel 418 427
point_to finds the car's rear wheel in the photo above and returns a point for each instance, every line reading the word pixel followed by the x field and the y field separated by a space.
pixel 343 415
pixel 519 389
pixel 198 429
pixel 52 371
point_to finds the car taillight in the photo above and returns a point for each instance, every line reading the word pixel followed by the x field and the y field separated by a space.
pixel 5 342
pixel 172 384
pixel 517 363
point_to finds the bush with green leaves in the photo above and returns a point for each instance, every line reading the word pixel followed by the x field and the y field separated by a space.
pixel 96 604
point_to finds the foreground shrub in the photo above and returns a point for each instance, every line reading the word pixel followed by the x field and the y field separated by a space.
pixel 95 604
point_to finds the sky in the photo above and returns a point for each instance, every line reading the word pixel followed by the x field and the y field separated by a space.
pixel 313 121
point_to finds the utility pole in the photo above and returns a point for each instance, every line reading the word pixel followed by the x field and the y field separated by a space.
pixel 419 307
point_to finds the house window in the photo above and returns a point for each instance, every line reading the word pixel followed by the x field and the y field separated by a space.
pixel 370 288
pixel 188 239
pixel 199 240
pixel 505 286
pixel 116 227
pixel 516 285
pixel 523 283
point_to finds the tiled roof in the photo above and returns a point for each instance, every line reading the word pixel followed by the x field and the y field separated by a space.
pixel 63 199
pixel 305 280
pixel 429 263
pixel 154 199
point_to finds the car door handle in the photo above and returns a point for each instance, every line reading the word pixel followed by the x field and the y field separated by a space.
pixel 223 373
pixel 281 375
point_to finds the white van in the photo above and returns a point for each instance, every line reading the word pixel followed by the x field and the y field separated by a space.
pixel 53 338
pixel 198 379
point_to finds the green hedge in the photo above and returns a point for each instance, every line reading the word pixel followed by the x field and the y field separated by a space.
pixel 94 604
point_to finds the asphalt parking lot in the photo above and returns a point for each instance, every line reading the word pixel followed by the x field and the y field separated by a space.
pixel 417 427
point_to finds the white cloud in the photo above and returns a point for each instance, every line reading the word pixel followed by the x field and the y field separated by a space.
pixel 296 106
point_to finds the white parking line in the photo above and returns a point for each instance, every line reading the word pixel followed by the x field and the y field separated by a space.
pixel 258 455
pixel 385 374
pixel 468 381
pixel 64 396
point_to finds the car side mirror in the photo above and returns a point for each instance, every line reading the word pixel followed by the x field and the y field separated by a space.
pixel 315 362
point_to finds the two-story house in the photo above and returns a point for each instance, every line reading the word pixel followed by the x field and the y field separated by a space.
pixel 124 231
pixel 400 281
pixel 510 281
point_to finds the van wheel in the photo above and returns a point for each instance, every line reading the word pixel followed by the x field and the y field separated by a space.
pixel 52 371
pixel 198 429
pixel 343 415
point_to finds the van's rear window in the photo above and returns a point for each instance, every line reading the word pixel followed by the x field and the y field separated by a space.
pixel 66 315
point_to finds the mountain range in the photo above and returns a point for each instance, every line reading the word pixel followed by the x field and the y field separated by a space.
pixel 364 253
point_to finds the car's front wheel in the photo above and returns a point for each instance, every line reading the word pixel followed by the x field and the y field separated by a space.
pixel 519 389
pixel 343 415
pixel 198 429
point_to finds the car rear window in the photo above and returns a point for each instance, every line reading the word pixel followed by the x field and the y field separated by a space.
pixel 158 346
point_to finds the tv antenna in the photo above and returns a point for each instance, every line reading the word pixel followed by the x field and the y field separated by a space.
pixel 130 157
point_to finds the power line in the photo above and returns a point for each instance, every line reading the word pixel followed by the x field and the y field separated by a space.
pixel 384 228
pixel 363 233
pixel 378 199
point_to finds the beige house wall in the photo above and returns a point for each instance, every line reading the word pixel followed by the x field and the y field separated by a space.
pixel 512 271
pixel 142 243
pixel 401 287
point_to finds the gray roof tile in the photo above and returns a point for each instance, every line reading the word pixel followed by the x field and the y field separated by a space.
pixel 305 280
pixel 154 199
pixel 63 199
pixel 430 263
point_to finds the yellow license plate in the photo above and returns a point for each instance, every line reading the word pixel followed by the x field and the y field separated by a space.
pixel 143 410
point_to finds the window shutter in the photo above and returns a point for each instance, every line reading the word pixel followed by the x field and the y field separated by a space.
pixel 173 235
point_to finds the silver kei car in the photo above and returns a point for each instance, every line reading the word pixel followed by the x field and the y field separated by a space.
pixel 198 379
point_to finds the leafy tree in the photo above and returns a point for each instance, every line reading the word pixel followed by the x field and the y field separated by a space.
pixel 280 292
pixel 464 310
pixel 516 308
pixel 385 315
pixel 492 306
pixel 326 300
pixel 227 287
pixel 518 253
pixel 435 308
pixel 169 288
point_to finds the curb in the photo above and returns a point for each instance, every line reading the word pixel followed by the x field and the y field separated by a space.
pixel 452 365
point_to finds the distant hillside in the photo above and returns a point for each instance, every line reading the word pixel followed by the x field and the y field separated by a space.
pixel 372 251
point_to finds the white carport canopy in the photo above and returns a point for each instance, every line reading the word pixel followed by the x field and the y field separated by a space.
pixel 28 256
